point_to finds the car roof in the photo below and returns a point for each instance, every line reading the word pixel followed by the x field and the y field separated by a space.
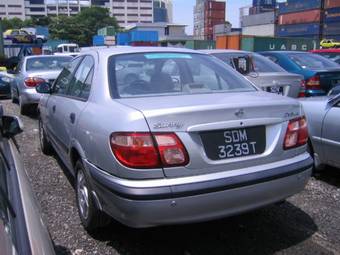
pixel 217 51
pixel 109 51
pixel 326 50
pixel 47 56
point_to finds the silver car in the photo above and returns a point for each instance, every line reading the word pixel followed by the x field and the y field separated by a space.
pixel 264 73
pixel 22 230
pixel 323 114
pixel 193 143
pixel 31 71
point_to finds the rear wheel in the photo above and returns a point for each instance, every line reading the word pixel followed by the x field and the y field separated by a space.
pixel 14 98
pixel 90 216
pixel 45 144
pixel 24 109
pixel 317 167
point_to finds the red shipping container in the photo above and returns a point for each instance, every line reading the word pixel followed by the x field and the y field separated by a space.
pixel 312 16
pixel 332 4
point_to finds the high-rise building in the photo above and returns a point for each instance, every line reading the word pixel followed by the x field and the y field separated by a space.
pixel 162 11
pixel 12 9
pixel 207 14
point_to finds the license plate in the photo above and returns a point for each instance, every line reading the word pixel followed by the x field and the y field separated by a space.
pixel 275 90
pixel 234 143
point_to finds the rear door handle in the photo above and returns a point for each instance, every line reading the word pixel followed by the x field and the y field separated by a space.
pixel 53 108
pixel 72 117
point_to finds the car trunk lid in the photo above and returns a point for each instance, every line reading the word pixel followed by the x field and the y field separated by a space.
pixel 285 84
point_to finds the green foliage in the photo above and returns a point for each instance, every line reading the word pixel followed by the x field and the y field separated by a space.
pixel 79 28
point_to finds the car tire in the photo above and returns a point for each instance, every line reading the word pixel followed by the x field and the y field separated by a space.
pixel 90 216
pixel 316 167
pixel 14 99
pixel 24 109
pixel 45 145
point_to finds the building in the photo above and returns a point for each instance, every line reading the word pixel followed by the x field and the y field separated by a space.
pixel 207 14
pixel 162 11
pixel 12 9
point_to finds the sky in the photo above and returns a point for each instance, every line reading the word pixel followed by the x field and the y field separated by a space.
pixel 183 12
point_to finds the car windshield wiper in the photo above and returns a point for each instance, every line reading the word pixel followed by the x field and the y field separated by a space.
pixel 333 100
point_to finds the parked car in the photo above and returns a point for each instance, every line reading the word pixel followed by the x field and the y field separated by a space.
pixel 22 230
pixel 323 114
pixel 329 43
pixel 19 36
pixel 31 71
pixel 153 151
pixel 332 54
pixel 263 73
pixel 5 86
pixel 320 74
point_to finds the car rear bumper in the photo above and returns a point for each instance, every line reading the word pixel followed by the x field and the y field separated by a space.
pixel 146 204
pixel 29 96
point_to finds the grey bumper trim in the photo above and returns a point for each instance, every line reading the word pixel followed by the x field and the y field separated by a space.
pixel 104 181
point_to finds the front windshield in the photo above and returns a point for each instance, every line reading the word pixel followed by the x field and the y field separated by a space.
pixel 166 73
pixel 47 63
pixel 312 61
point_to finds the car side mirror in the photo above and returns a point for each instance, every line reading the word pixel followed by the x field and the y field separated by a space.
pixel 43 88
pixel 334 91
pixel 11 126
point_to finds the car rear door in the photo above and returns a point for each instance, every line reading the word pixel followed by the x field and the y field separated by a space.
pixel 331 137
pixel 69 106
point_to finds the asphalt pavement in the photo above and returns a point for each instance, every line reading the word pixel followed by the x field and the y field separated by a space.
pixel 307 223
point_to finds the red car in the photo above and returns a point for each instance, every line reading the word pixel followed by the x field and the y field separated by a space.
pixel 332 54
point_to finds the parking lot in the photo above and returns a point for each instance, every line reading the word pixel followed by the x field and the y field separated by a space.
pixel 308 223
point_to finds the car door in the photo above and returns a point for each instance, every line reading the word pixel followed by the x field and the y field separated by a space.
pixel 59 91
pixel 69 106
pixel 331 136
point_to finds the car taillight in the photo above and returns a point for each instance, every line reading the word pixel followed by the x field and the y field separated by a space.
pixel 302 92
pixel 33 81
pixel 148 150
pixel 313 83
pixel 297 133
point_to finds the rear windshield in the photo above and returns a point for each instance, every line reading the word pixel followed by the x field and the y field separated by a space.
pixel 47 63
pixel 312 61
pixel 149 74
pixel 260 64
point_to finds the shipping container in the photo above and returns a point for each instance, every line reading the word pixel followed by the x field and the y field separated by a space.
pixel 200 44
pixel 228 42
pixel 122 39
pixel 144 44
pixel 98 40
pixel 260 30
pixel 143 36
pixel 311 16
pixel 258 19
pixel 255 44
pixel 107 31
pixel 298 6
pixel 298 30
pixel 332 15
pixel 332 4
pixel 332 28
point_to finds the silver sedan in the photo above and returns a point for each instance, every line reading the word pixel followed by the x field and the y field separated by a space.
pixel 31 71
pixel 190 140
pixel 323 114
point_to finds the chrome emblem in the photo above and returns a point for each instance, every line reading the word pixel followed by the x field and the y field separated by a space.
pixel 239 113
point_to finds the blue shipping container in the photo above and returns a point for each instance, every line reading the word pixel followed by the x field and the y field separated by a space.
pixel 332 15
pixel 98 40
pixel 143 36
pixel 122 39
pixel 332 28
pixel 298 6
pixel 42 31
pixel 298 30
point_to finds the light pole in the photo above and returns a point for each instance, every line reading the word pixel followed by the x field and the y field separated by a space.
pixel 2 52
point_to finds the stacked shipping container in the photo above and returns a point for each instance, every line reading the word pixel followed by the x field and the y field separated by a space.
pixel 214 14
pixel 300 19
pixel 331 26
